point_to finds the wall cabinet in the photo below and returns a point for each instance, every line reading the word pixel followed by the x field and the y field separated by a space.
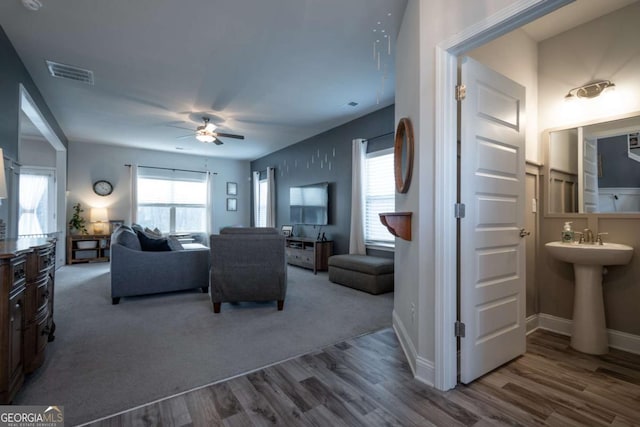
pixel 88 248
pixel 27 269
pixel 309 253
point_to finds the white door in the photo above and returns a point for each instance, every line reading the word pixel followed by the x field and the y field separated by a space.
pixel 588 170
pixel 492 251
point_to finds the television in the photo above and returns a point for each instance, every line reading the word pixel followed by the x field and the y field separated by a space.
pixel 309 204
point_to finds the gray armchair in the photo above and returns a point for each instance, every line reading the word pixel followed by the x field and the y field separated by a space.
pixel 138 272
pixel 247 264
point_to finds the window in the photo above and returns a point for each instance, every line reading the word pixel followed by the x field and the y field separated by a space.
pixel 380 196
pixel 174 201
pixel 261 221
pixel 37 211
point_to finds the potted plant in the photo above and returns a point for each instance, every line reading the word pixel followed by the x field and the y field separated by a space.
pixel 77 222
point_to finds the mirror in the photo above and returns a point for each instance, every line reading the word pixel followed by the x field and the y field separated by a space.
pixel 403 155
pixel 594 167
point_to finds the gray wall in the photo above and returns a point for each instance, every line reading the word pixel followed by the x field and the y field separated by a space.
pixel 325 158
pixel 12 73
pixel 618 170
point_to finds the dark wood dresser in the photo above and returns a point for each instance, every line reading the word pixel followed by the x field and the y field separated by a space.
pixel 27 278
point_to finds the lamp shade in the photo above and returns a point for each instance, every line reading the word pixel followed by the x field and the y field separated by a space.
pixel 99 215
pixel 3 180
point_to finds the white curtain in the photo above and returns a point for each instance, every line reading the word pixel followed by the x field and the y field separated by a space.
pixel 210 198
pixel 32 188
pixel 256 197
pixel 356 237
pixel 133 191
pixel 271 197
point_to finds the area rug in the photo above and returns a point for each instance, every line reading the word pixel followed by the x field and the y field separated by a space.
pixel 108 358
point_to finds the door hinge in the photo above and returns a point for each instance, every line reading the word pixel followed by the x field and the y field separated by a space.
pixel 461 92
pixel 459 210
pixel 459 329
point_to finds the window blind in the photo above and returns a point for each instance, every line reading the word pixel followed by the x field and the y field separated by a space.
pixel 379 195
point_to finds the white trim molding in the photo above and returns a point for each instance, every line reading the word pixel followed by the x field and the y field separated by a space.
pixel 423 369
pixel 405 342
pixel 618 340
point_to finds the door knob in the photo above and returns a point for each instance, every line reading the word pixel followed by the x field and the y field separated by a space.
pixel 524 233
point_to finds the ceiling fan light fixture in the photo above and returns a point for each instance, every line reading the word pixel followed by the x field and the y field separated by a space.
pixel 204 137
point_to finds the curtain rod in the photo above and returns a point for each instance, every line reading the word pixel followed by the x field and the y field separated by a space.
pixel 171 169
pixel 380 136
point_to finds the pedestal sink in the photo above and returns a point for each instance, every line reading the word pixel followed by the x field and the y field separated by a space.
pixel 589 333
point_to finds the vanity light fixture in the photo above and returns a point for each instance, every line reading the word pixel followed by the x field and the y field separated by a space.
pixel 34 5
pixel 590 90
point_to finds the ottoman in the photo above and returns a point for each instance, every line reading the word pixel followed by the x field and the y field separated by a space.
pixel 363 272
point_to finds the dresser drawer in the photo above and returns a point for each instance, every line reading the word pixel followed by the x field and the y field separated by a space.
pixel 42 293
pixel 42 329
pixel 18 272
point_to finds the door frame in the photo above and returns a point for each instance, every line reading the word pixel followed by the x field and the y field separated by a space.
pixel 510 18
pixel 29 107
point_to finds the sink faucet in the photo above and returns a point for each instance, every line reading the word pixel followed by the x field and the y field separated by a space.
pixel 599 238
pixel 587 236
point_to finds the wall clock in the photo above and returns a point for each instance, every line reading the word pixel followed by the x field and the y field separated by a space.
pixel 102 188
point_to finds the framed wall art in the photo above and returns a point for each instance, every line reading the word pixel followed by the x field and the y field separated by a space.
pixel 287 230
pixel 114 224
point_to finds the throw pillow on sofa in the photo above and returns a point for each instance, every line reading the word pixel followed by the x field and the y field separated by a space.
pixel 152 245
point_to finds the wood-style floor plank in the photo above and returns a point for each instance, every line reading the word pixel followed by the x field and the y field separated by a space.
pixel 366 381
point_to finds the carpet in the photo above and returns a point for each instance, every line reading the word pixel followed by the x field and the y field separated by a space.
pixel 108 358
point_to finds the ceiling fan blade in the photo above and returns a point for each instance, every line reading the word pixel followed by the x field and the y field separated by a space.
pixel 179 127
pixel 228 135
pixel 185 136
pixel 217 142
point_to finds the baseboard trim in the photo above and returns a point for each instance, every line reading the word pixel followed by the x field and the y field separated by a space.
pixel 533 323
pixel 618 340
pixel 425 372
pixel 423 369
pixel 405 342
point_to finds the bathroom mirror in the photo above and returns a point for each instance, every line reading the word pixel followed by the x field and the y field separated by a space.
pixel 594 167
pixel 403 155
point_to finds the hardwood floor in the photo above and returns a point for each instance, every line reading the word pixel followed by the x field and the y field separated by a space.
pixel 366 381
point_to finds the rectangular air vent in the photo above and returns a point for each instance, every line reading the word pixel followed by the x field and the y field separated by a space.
pixel 352 104
pixel 70 72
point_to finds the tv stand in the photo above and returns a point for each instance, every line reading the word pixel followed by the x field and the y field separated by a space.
pixel 309 253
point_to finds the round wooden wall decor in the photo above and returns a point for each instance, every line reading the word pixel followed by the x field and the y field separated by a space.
pixel 403 155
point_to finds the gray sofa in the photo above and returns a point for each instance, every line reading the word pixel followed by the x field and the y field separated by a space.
pixel 247 264
pixel 138 272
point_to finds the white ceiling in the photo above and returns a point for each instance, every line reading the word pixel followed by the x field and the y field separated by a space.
pixel 276 71
pixel 577 13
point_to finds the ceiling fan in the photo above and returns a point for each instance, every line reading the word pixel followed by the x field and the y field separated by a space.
pixel 207 133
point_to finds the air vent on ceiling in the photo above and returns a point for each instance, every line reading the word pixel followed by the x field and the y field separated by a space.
pixel 352 104
pixel 70 72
